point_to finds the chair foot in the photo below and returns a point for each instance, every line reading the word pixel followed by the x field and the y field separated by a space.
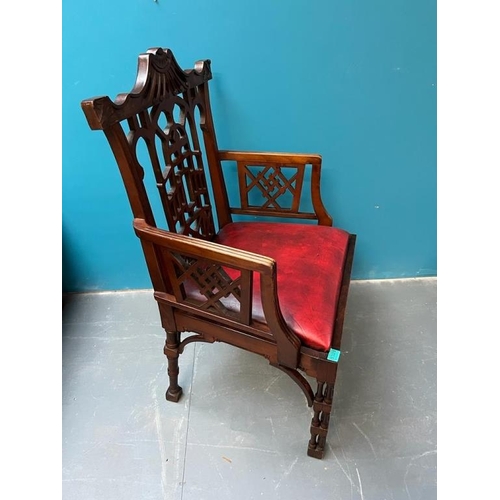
pixel 173 395
pixel 322 407
pixel 315 453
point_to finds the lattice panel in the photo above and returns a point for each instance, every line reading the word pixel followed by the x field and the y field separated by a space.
pixel 170 134
pixel 270 186
pixel 208 286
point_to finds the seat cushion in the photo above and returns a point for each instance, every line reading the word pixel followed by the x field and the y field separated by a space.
pixel 310 262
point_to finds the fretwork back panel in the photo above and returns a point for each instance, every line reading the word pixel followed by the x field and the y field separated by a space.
pixel 170 134
pixel 155 139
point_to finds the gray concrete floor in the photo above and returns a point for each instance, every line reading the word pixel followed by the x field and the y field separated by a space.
pixel 241 429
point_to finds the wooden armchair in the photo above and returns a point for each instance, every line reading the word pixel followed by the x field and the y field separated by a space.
pixel 277 289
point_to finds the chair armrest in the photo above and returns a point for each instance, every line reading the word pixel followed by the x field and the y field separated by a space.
pixel 172 258
pixel 272 175
pixel 288 158
pixel 224 255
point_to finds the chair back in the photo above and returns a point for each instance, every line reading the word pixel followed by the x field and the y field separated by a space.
pixel 154 133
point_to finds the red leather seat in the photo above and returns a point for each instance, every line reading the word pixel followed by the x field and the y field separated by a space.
pixel 310 260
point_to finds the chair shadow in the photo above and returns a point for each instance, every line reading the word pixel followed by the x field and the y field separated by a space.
pixel 71 271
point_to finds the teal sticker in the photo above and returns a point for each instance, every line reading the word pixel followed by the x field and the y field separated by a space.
pixel 333 355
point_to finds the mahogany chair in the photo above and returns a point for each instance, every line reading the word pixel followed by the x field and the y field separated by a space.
pixel 277 289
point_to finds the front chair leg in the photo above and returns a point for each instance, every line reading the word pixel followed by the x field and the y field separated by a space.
pixel 322 407
pixel 171 350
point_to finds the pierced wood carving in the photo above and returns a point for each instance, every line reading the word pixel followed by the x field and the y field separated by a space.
pixel 160 111
pixel 176 159
pixel 278 187
pixel 208 286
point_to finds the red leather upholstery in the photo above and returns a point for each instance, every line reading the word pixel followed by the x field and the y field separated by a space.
pixel 309 272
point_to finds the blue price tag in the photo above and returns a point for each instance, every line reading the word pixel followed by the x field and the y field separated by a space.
pixel 333 355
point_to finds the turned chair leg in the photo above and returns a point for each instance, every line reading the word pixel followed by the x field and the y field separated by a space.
pixel 322 407
pixel 171 350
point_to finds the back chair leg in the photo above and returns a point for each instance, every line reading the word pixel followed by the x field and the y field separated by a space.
pixel 322 407
pixel 171 350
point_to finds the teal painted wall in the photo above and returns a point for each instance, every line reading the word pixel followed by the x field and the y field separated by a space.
pixel 354 81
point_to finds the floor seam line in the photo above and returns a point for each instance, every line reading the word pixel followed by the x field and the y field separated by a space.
pixel 188 417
